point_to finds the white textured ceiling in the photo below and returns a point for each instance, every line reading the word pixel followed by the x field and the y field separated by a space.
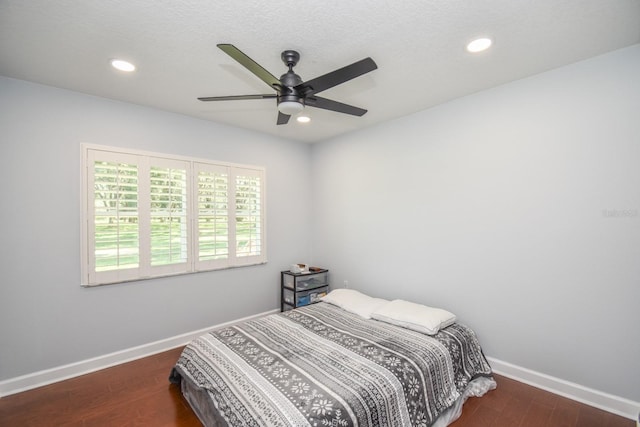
pixel 417 44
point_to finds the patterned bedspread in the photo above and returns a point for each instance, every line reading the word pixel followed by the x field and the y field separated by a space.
pixel 322 366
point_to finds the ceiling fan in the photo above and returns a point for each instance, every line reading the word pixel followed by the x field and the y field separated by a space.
pixel 292 93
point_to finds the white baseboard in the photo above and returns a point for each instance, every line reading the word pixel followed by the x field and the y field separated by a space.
pixel 607 402
pixel 60 373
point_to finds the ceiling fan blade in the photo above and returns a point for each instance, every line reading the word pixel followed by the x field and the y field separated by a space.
pixel 336 77
pixel 283 119
pixel 236 97
pixel 328 104
pixel 251 65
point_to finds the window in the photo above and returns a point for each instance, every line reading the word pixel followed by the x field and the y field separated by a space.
pixel 150 215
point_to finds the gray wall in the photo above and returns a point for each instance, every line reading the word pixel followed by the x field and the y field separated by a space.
pixel 46 318
pixel 517 208
pixel 513 208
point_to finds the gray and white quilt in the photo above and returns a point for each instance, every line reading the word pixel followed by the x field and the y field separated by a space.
pixel 323 366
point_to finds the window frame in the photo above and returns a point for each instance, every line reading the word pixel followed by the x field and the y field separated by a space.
pixel 145 161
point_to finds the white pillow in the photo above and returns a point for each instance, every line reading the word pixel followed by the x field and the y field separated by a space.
pixel 416 317
pixel 354 302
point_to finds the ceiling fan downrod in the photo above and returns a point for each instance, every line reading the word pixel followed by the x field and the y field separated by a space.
pixel 289 101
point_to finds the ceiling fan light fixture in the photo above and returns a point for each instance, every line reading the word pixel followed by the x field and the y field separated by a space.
pixel 290 108
pixel 479 45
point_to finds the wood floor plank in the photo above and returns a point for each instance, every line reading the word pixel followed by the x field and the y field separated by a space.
pixel 565 413
pixel 537 415
pixel 138 393
pixel 590 417
pixel 511 416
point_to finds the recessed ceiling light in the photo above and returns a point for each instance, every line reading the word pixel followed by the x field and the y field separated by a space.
pixel 303 119
pixel 122 65
pixel 478 45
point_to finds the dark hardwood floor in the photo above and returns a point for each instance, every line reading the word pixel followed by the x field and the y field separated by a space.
pixel 138 394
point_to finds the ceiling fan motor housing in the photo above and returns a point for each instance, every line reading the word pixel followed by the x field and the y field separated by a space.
pixel 289 81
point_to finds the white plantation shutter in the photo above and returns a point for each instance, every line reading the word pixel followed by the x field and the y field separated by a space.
pixel 149 215
pixel 248 215
pixel 113 215
pixel 230 212
pixel 213 216
pixel 168 216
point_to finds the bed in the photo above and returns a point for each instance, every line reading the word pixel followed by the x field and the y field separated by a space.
pixel 322 365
